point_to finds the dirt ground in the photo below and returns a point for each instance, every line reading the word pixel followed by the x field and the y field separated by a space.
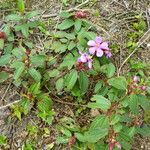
pixel 112 23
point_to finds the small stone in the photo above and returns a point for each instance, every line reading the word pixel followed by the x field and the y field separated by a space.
pixel 142 146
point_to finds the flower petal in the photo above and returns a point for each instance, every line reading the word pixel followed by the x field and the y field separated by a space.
pixel 104 46
pixel 79 60
pixel 90 64
pixel 109 54
pixel 99 53
pixel 80 53
pixel 98 39
pixel 92 50
pixel 83 58
pixel 91 43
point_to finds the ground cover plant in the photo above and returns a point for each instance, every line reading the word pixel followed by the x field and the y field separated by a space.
pixel 73 66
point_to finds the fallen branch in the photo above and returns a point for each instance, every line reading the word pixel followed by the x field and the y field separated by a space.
pixel 69 10
pixel 10 104
pixel 141 41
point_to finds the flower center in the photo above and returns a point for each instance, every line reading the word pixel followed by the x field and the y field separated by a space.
pixel 97 45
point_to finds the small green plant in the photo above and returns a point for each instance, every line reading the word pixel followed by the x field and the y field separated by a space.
pixel 3 140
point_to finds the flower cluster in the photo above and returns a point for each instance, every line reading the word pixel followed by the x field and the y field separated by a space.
pixel 113 144
pixel 81 14
pixel 97 48
pixel 85 58
pixel 135 85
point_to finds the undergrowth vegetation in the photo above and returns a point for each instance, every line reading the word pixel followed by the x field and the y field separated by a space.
pixel 78 63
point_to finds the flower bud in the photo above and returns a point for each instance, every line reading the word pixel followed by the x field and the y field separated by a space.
pixel 118 145
pixel 143 88
pixel 81 14
pixel 28 52
pixel 136 79
pixel 2 35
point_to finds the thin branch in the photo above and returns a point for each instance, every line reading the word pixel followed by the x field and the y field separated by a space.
pixel 3 97
pixel 67 103
pixel 69 10
pixel 141 41
pixel 10 104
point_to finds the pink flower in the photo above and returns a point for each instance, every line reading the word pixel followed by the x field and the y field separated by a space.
pixel 143 88
pixel 85 58
pixel 99 47
pixel 118 145
pixel 136 79
pixel 108 53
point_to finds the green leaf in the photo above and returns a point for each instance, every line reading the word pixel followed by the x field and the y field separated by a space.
pixel 83 82
pixel 90 35
pixel 3 76
pixel 25 31
pixel 68 62
pixel 18 72
pixel 65 131
pixel 64 40
pixel 78 24
pixel 59 84
pixel 17 113
pixel 92 136
pixel 144 102
pixel 8 48
pixel 62 140
pixel 38 60
pixel 98 86
pixel 100 121
pixel 35 74
pixel 71 45
pixel 35 88
pixel 66 24
pixel 108 69
pixel 5 59
pixel 96 65
pixel 125 140
pixel 95 135
pixel 47 116
pixel 148 90
pixel 115 119
pixel 1 44
pixel 53 73
pixel 32 14
pixel 19 52
pixel 131 132
pixel 45 103
pixel 19 66
pixel 113 94
pixel 59 47
pixel 80 137
pixel 14 17
pixel 117 127
pixel 71 79
pixel 3 140
pixel 70 36
pixel 101 102
pixel 60 34
pixel 26 105
pixel 21 6
pixel 133 104
pixel 144 131
pixel 118 82
pixel 64 14
pixel 28 146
